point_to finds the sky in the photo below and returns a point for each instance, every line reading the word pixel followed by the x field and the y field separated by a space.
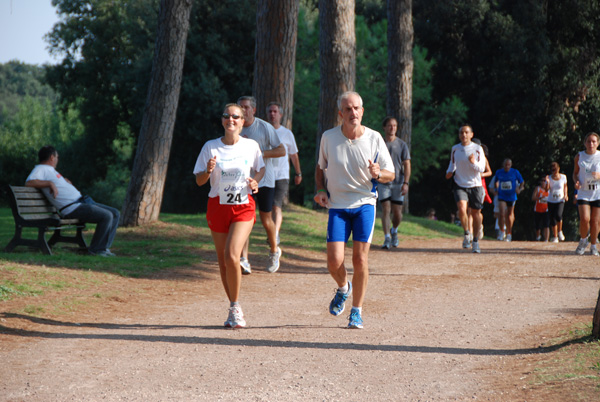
pixel 23 24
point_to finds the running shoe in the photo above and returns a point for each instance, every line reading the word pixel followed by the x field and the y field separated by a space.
pixel 476 247
pixel 467 241
pixel 235 318
pixel 355 320
pixel 245 265
pixel 480 235
pixel 395 242
pixel 500 236
pixel 594 250
pixel 508 238
pixel 338 303
pixel 554 240
pixel 274 261
pixel 561 236
pixel 581 246
pixel 387 243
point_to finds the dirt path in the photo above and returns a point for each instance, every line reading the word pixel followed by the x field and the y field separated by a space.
pixel 441 324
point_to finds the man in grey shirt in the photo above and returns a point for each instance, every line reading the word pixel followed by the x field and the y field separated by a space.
pixel 262 132
pixel 391 195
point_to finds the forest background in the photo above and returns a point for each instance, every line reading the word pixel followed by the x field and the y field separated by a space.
pixel 523 74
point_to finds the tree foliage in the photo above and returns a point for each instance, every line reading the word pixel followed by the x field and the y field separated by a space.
pixel 528 72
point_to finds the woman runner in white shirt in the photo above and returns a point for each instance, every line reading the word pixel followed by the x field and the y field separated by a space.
pixel 229 162
pixel 586 176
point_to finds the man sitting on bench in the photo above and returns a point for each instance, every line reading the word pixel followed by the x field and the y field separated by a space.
pixel 71 204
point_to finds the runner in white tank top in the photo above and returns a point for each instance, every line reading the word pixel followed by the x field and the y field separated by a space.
pixel 586 175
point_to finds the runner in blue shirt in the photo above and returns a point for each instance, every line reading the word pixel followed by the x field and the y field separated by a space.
pixel 509 183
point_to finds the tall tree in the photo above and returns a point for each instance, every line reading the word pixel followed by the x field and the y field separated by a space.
pixel 144 195
pixel 337 52
pixel 400 68
pixel 275 55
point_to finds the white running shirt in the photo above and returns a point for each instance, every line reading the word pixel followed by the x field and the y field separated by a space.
pixel 346 165
pixel 467 174
pixel 281 166
pixel 234 162
pixel 590 186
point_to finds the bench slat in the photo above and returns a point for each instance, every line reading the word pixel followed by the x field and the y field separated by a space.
pixel 37 210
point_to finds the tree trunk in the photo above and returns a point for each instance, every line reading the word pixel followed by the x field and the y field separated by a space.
pixel 337 52
pixel 400 68
pixel 275 56
pixel 145 192
pixel 596 320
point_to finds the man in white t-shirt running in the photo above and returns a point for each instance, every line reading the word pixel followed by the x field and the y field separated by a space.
pixel 467 162
pixel 281 166
pixel 262 132
pixel 352 160
pixel 71 204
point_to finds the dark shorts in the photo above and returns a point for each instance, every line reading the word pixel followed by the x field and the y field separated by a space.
pixel 281 189
pixel 593 204
pixel 221 216
pixel 542 220
pixel 555 210
pixel 264 198
pixel 508 203
pixel 473 195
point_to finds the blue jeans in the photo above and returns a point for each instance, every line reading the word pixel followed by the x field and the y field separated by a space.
pixel 106 219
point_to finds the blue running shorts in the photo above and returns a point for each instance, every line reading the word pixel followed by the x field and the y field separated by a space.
pixel 360 221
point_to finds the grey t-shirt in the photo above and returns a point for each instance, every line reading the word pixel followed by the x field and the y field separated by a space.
pixel 263 133
pixel 399 153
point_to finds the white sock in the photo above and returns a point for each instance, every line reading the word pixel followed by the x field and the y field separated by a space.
pixel 387 236
pixel 344 289
pixel 394 230
pixel 357 308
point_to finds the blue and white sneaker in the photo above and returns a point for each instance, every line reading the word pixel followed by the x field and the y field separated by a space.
pixel 338 303
pixel 355 320
pixel 395 242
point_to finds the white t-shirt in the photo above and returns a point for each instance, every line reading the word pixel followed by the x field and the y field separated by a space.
pixel 467 174
pixel 281 166
pixel 556 192
pixel 263 133
pixel 346 166
pixel 234 164
pixel 590 187
pixel 67 193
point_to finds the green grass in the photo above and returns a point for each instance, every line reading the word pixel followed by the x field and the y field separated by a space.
pixel 578 362
pixel 175 240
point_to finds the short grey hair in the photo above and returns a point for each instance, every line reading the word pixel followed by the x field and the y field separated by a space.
pixel 252 100
pixel 346 95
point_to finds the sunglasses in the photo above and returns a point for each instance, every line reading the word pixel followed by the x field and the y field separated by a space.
pixel 227 115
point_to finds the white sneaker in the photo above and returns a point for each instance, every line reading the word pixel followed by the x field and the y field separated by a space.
pixel 467 241
pixel 508 238
pixel 245 265
pixel 274 261
pixel 538 238
pixel 581 246
pixel 476 248
pixel 235 318
pixel 554 240
pixel 561 236
pixel 500 236
pixel 594 250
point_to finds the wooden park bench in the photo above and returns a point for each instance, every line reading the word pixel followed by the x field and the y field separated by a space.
pixel 31 209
